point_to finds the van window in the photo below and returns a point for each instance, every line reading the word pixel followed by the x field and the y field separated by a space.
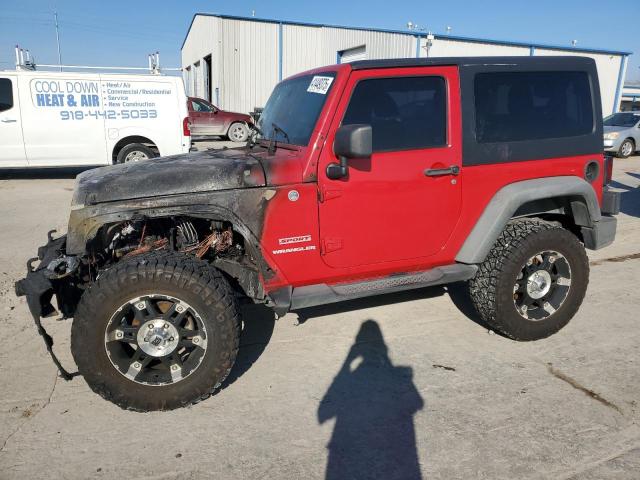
pixel 6 94
pixel 405 113
pixel 519 106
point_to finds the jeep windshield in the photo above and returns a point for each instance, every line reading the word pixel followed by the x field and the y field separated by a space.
pixel 622 120
pixel 293 108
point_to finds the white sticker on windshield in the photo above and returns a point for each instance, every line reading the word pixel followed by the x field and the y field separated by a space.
pixel 320 85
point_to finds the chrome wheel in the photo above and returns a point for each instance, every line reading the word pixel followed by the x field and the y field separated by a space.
pixel 542 285
pixel 155 340
pixel 135 156
pixel 626 149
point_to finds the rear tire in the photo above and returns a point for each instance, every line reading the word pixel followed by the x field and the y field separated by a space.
pixel 111 319
pixel 135 152
pixel 627 148
pixel 509 292
pixel 238 132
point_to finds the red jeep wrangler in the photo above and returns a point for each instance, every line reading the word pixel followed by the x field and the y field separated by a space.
pixel 362 179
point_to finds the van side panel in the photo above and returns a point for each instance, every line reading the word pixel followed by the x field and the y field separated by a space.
pixel 76 119
pixel 151 107
pixel 62 119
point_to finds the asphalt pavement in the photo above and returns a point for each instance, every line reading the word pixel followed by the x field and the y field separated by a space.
pixel 408 385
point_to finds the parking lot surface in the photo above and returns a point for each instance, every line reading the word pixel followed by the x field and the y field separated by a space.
pixel 404 386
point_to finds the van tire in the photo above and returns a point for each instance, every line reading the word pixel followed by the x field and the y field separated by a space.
pixel 238 132
pixel 135 152
pixel 503 280
pixel 193 281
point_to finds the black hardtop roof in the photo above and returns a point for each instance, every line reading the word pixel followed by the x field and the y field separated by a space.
pixel 534 62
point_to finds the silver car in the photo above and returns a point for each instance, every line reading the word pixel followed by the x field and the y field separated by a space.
pixel 622 133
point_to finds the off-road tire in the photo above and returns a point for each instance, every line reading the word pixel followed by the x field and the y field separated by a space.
pixel 624 151
pixel 133 149
pixel 238 132
pixel 492 288
pixel 191 280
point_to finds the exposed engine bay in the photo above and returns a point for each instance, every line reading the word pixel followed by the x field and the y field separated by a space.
pixel 201 238
pixel 67 276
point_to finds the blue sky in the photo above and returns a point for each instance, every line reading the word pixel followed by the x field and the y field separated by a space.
pixel 122 33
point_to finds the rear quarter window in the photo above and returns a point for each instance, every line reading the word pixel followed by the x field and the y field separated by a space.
pixel 517 106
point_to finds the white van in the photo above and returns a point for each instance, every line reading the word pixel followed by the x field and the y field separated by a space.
pixel 59 119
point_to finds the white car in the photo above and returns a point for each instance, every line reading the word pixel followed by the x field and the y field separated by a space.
pixel 59 119
pixel 622 133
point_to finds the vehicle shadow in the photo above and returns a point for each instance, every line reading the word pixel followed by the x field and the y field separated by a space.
pixel 373 403
pixel 630 199
pixel 258 322
pixel 42 173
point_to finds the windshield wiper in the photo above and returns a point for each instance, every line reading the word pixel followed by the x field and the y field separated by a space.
pixel 273 143
pixel 277 129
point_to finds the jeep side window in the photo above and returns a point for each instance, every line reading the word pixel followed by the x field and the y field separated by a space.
pixel 6 94
pixel 511 107
pixel 405 113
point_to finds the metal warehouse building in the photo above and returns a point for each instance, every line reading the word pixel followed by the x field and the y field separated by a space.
pixel 236 61
pixel 630 98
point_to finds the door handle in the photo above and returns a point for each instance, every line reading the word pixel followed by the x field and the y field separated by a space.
pixel 8 120
pixel 438 172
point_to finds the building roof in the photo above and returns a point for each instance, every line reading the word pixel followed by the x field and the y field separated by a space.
pixel 411 33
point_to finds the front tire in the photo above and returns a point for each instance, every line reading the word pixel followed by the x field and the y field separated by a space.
pixel 156 332
pixel 532 282
pixel 238 132
pixel 627 148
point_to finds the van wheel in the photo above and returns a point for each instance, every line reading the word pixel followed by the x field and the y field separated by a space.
pixel 626 149
pixel 135 152
pixel 156 332
pixel 238 132
pixel 533 280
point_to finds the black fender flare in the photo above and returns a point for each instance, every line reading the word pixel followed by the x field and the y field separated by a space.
pixel 506 202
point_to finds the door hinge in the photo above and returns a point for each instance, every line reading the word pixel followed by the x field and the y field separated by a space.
pixel 330 245
pixel 328 194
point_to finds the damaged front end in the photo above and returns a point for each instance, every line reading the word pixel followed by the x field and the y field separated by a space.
pixel 56 274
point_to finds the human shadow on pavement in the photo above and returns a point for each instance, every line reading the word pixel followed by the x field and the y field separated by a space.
pixel 373 403
pixel 258 323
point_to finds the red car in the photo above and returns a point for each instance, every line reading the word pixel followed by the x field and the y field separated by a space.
pixel 207 119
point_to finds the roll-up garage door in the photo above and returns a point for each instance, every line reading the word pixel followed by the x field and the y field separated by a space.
pixel 353 54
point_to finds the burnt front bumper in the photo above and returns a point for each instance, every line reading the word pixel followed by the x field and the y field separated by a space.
pixel 53 276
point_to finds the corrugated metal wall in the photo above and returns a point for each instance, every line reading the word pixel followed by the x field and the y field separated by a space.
pixel 250 71
pixel 200 42
pixel 378 44
pixel 246 60
pixel 302 49
pixel 454 48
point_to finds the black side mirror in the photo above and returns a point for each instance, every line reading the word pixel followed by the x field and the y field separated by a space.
pixel 352 141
